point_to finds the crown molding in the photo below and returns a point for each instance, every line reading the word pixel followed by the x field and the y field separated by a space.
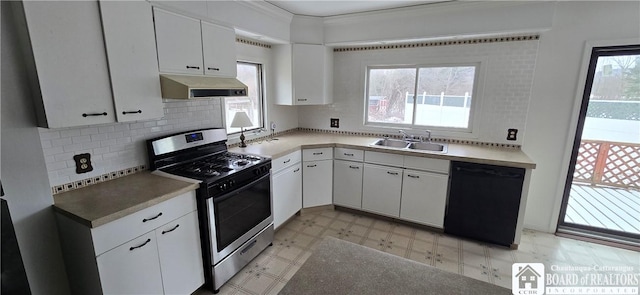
pixel 267 8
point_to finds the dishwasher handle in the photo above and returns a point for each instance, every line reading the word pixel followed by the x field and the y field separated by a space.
pixel 492 172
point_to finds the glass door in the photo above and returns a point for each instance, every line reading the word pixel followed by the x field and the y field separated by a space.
pixel 602 191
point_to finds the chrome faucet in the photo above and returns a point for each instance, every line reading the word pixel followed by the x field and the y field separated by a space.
pixel 428 136
pixel 406 136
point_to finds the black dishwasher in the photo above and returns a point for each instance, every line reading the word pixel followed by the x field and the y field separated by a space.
pixel 483 202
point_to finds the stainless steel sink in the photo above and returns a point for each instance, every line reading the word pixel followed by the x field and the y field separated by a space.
pixel 428 146
pixel 395 143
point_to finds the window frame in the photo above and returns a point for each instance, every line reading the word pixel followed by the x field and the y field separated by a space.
pixel 262 104
pixel 474 107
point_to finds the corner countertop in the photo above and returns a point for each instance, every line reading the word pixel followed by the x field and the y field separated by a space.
pixel 290 142
pixel 104 202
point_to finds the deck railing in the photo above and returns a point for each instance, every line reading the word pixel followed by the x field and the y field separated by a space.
pixel 608 163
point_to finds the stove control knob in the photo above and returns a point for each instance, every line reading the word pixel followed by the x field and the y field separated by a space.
pixel 232 183
pixel 256 172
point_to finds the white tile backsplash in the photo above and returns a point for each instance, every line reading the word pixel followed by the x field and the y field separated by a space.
pixel 118 146
pixel 507 69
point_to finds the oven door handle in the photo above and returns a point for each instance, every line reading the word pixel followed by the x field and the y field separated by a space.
pixel 240 189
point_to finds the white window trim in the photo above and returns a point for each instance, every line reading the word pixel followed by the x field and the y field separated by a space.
pixel 263 107
pixel 476 108
pixel 413 125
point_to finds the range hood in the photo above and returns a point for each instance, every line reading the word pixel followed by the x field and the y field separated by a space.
pixel 187 87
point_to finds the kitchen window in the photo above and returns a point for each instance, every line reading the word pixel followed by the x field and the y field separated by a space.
pixel 251 75
pixel 444 97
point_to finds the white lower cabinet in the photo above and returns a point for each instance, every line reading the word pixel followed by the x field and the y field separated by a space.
pixel 287 193
pixel 347 183
pixel 424 196
pixel 153 251
pixel 132 268
pixel 317 183
pixel 180 255
pixel 381 189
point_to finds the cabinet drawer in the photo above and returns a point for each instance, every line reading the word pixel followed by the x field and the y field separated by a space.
pixel 114 233
pixel 285 161
pixel 384 158
pixel 317 154
pixel 427 164
pixel 349 154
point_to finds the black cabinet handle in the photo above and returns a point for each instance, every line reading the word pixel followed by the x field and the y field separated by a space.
pixel 350 155
pixel 132 112
pixel 94 114
pixel 287 161
pixel 213 69
pixel 170 230
pixel 311 166
pixel 140 246
pixel 302 99
pixel 152 218
pixel 193 67
pixel 294 171
pixel 315 154
pixel 392 173
pixel 413 176
pixel 354 167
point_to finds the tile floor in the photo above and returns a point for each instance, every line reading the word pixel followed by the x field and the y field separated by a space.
pixel 295 241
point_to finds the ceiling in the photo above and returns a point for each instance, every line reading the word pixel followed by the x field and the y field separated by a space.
pixel 335 7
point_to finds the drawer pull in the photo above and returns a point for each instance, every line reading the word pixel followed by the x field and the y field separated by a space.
pixel 193 67
pixel 350 155
pixel 94 114
pixel 311 166
pixel 294 171
pixel 315 154
pixel 354 167
pixel 302 99
pixel 170 230
pixel 392 173
pixel 287 161
pixel 213 69
pixel 140 246
pixel 413 176
pixel 152 218
pixel 132 112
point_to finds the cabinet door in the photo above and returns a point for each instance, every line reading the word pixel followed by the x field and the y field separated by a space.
pixel 131 268
pixel 286 189
pixel 424 196
pixel 308 74
pixel 133 62
pixel 71 63
pixel 180 255
pixel 317 183
pixel 219 50
pixel 381 189
pixel 347 184
pixel 179 43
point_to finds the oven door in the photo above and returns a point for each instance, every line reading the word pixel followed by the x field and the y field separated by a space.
pixel 238 215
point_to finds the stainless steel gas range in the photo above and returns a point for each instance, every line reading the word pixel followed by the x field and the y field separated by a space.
pixel 234 197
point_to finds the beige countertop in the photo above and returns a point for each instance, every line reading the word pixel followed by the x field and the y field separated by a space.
pixel 289 142
pixel 104 202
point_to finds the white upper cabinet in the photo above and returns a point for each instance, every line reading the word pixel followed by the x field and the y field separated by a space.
pixel 71 63
pixel 179 43
pixel 131 52
pixel 304 74
pixel 219 50
pixel 190 46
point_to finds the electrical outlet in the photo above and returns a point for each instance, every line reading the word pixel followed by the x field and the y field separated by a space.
pixel 335 123
pixel 511 134
pixel 272 125
pixel 83 163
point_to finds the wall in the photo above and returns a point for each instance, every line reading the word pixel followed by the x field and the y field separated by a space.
pixel 556 92
pixel 24 176
pixel 503 89
pixel 118 146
